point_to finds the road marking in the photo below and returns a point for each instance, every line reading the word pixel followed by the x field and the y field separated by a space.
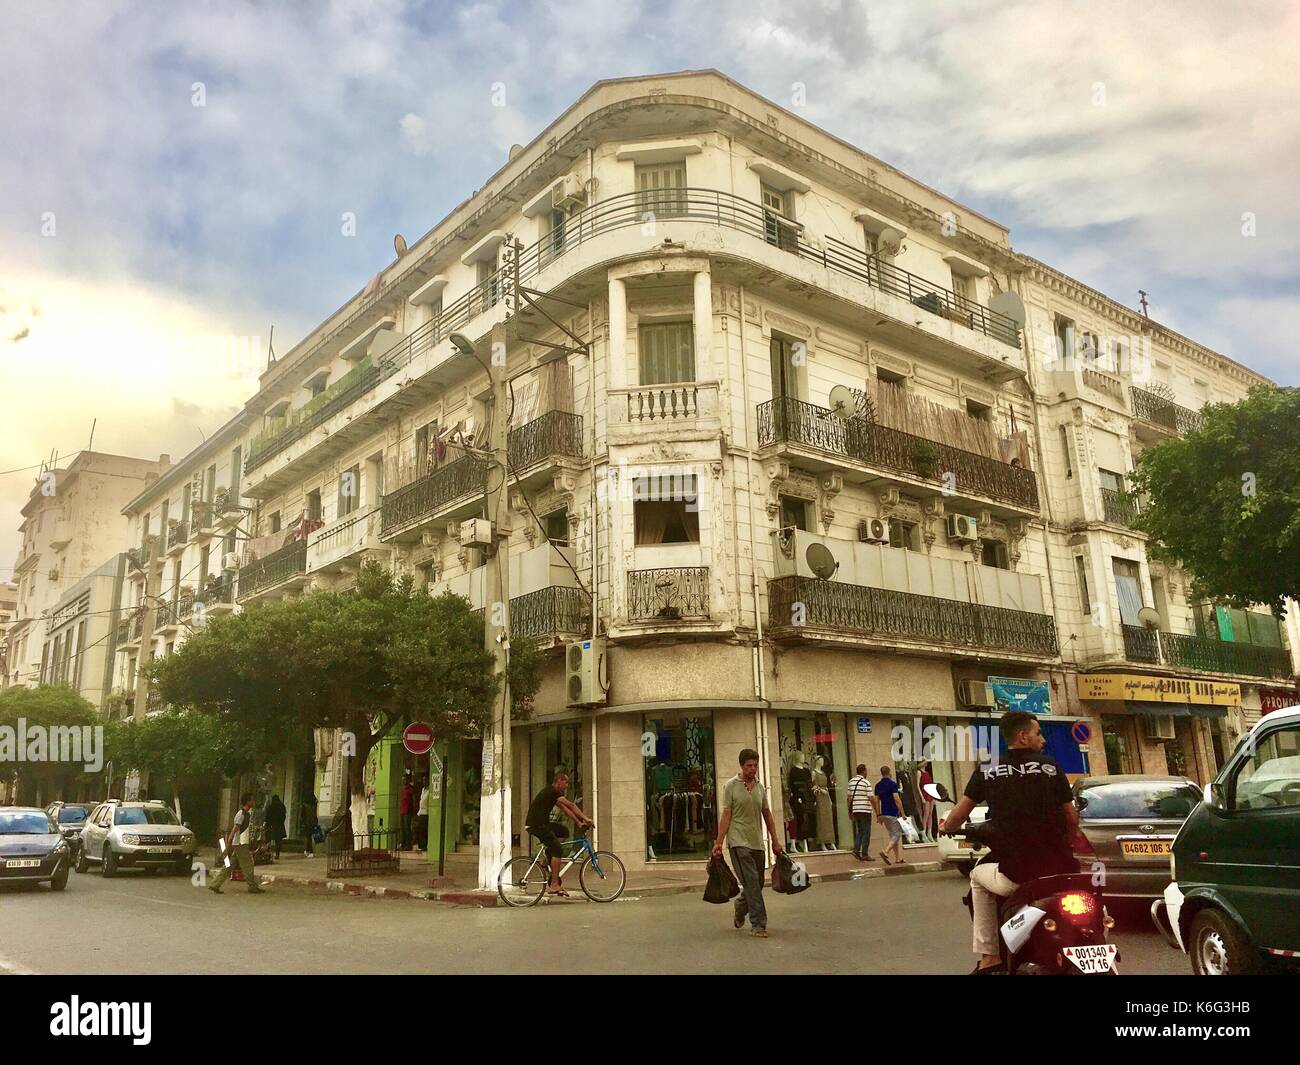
pixel 12 968
pixel 151 898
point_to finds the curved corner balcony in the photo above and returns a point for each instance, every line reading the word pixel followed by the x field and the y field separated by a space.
pixel 816 437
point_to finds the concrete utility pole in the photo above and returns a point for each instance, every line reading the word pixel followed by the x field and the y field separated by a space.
pixel 494 848
pixel 151 583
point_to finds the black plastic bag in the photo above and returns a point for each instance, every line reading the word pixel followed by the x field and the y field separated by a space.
pixel 721 886
pixel 788 877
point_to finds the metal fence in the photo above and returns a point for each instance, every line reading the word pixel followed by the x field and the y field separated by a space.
pixel 278 566
pixel 1119 507
pixel 413 503
pixel 668 594
pixel 363 853
pixel 1200 653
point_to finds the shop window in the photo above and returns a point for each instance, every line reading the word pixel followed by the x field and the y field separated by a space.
pixel 666 510
pixel 1118 757
pixel 814 772
pixel 794 513
pixel 680 785
pixel 666 353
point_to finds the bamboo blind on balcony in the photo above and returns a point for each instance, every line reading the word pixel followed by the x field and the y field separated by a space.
pixel 909 413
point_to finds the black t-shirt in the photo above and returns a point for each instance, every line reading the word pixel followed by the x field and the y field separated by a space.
pixel 1025 792
pixel 539 812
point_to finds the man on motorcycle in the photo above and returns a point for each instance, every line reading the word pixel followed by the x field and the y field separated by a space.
pixel 1034 818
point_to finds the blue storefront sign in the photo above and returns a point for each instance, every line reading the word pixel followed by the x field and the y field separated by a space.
pixel 1012 693
pixel 864 726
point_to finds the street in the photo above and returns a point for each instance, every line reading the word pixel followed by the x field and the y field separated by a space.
pixel 141 924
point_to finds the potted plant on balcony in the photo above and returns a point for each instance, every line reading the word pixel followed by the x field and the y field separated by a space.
pixel 925 458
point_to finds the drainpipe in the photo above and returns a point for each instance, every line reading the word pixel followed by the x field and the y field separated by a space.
pixel 595 526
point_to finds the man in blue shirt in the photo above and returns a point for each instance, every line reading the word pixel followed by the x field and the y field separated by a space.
pixel 891 809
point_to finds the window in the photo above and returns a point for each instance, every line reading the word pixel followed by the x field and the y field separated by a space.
pixel 553 239
pixel 1128 584
pixel 666 353
pixel 557 527
pixel 871 241
pixel 1270 778
pixel 275 522
pixel 375 479
pixel 1081 571
pixel 964 286
pixel 680 784
pixel 176 580
pixel 994 553
pixel 666 510
pixel 794 513
pixel 889 377
pixel 313 505
pixel 785 375
pixel 904 534
pixel 777 229
pixel 1065 450
pixel 1110 480
pixel 553 749
pixel 210 485
pixel 814 776
pixel 489 284
pixel 1064 329
pixel 236 470
pixel 422 464
pixel 979 411
pixel 349 491
pixel 1089 348
pixel 318 384
pixel 162 519
pixel 661 189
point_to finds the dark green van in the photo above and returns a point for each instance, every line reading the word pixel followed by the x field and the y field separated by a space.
pixel 1234 904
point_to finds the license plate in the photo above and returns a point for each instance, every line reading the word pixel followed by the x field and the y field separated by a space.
pixel 965 844
pixel 1094 958
pixel 1145 848
pixel 22 863
pixel 161 850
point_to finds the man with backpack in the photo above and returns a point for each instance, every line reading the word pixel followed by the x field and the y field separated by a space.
pixel 237 852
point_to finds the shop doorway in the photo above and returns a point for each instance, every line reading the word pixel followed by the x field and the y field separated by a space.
pixel 471 761
pixel 551 749
pixel 814 775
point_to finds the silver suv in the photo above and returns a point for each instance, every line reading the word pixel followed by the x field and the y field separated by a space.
pixel 135 834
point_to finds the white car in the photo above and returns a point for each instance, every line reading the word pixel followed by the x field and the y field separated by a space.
pixel 142 835
pixel 959 852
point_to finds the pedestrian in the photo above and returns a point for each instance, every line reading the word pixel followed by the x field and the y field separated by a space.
pixel 744 811
pixel 862 803
pixel 422 820
pixel 891 809
pixel 275 817
pixel 237 852
pixel 406 807
pixel 310 823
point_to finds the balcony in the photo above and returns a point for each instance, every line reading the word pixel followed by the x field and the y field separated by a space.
pixel 339 543
pixel 1203 655
pixel 444 493
pixel 1161 414
pixel 532 446
pixel 550 612
pixel 217 595
pixel 885 614
pixel 791 426
pixel 130 629
pixel 178 536
pixel 280 569
pixel 1119 508
pixel 679 593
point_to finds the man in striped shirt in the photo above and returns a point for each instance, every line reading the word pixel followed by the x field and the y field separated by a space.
pixel 862 803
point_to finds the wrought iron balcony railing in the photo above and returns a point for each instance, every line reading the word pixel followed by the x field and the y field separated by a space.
pixel 178 534
pixel 553 611
pixel 1118 507
pixel 219 591
pixel 278 566
pixel 799 602
pixel 556 432
pixel 1203 654
pixel 1157 410
pixel 795 422
pixel 676 593
pixel 425 496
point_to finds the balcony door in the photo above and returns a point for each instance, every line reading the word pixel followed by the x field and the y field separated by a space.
pixel 785 374
pixel 1128 586
pixel 666 353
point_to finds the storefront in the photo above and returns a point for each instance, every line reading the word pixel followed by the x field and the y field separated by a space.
pixel 680 779
pixel 815 771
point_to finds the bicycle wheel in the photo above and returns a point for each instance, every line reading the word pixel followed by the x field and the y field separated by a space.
pixel 602 877
pixel 521 882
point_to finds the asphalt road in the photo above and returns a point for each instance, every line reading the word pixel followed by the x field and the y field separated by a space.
pixel 140 923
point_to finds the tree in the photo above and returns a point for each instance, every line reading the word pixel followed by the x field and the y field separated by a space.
pixel 48 708
pixel 1225 500
pixel 364 661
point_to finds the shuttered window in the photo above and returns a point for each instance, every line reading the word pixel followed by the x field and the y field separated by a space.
pixel 666 353
pixel 661 189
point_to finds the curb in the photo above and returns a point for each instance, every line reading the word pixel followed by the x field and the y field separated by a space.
pixel 487 899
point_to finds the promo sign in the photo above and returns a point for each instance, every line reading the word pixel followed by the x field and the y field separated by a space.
pixel 1012 693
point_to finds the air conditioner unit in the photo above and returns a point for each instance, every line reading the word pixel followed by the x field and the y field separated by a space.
pixel 873 531
pixel 1158 727
pixel 567 193
pixel 962 527
pixel 230 561
pixel 976 693
pixel 586 672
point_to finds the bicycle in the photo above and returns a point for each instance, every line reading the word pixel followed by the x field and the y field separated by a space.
pixel 522 881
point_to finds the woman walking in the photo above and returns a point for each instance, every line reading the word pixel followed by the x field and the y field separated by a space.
pixel 275 817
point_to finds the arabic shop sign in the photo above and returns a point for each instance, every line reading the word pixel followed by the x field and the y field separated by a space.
pixel 1135 687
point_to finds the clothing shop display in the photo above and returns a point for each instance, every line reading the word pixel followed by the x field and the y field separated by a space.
pixel 802 801
pixel 825 817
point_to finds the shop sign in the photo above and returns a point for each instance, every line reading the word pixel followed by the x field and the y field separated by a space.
pixel 1121 687
pixel 864 726
pixel 1013 693
pixel 1271 699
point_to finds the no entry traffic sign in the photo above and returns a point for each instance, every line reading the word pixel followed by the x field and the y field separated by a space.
pixel 418 738
pixel 1082 732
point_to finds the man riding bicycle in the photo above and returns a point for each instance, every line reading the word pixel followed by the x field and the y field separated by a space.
pixel 539 824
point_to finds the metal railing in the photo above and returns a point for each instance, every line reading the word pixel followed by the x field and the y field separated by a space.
pixel 652 403
pixel 218 592
pixel 553 611
pixel 363 853
pixel 1118 507
pixel 556 432
pixel 806 602
pixel 1157 410
pixel 1204 654
pixel 178 534
pixel 795 422
pixel 413 503
pixel 668 594
pixel 279 565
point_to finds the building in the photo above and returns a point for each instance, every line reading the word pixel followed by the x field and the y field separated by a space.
pixel 72 522
pixel 81 631
pixel 8 613
pixel 778 443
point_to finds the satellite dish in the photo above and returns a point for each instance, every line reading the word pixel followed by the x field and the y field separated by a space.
pixel 889 241
pixel 515 149
pixel 821 561
pixel 399 245
pixel 1149 617
pixel 851 403
pixel 1009 305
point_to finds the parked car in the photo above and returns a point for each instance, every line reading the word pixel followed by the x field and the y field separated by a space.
pixel 32 848
pixel 1128 823
pixel 71 818
pixel 958 851
pixel 135 834
pixel 1232 906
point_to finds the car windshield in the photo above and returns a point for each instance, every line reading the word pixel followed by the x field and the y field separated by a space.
pixel 25 823
pixel 72 815
pixel 148 815
pixel 1163 799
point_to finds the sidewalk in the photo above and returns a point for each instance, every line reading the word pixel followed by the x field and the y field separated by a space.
pixel 417 877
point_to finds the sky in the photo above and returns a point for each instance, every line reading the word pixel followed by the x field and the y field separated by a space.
pixel 174 178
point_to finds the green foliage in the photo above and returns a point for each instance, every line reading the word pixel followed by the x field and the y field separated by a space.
pixel 45 706
pixel 1225 500
pixel 178 744
pixel 925 457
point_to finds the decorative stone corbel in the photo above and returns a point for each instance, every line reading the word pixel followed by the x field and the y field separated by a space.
pixel 932 511
pixel 1016 533
pixel 888 499
pixel 564 482
pixel 778 473
pixel 530 532
pixel 463 556
pixel 827 517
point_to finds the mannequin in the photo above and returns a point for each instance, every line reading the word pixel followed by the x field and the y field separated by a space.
pixel 802 800
pixel 822 798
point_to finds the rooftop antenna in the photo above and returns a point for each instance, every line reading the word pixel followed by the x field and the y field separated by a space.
pixel 270 348
pixel 1143 300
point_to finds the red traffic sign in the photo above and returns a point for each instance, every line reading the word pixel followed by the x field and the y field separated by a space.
pixel 418 738
pixel 1082 732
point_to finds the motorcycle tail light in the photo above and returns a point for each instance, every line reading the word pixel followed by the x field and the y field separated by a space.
pixel 1077 907
pixel 1080 845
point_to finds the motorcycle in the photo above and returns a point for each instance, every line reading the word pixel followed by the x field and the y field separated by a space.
pixel 1053 926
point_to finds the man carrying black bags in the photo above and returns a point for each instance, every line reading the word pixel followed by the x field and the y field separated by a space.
pixel 744 810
